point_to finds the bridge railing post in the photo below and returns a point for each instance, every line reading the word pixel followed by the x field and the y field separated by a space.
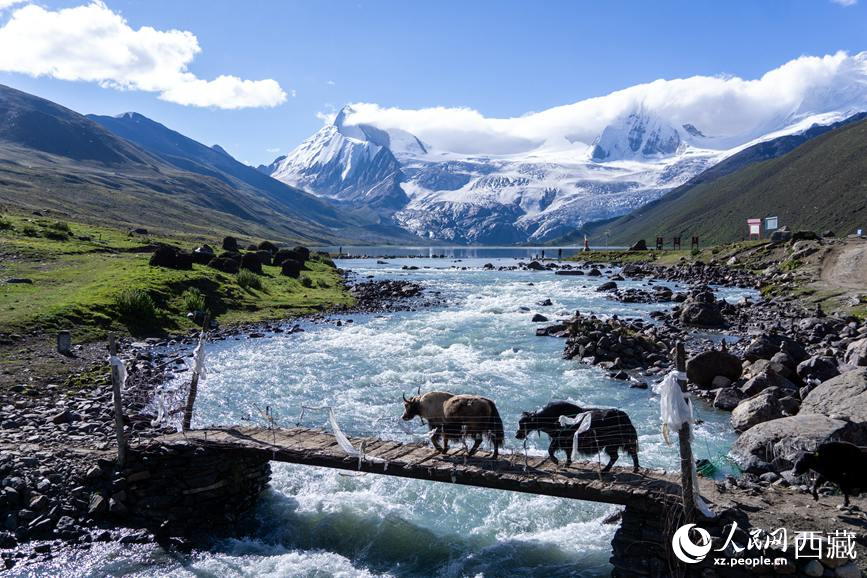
pixel 687 463
pixel 118 403
pixel 194 382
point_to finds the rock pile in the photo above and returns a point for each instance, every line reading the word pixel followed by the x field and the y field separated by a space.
pixel 389 295
pixel 612 343
pixel 232 259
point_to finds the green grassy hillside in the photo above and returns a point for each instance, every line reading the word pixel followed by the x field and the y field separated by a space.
pixel 80 274
pixel 54 158
pixel 820 185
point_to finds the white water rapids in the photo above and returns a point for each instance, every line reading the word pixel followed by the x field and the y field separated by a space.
pixel 319 522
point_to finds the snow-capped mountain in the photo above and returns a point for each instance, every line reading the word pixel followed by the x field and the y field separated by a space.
pixel 639 135
pixel 348 163
pixel 454 175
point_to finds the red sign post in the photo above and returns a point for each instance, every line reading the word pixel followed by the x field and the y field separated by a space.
pixel 755 226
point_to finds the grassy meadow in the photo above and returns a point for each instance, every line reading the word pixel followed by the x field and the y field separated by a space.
pixel 92 278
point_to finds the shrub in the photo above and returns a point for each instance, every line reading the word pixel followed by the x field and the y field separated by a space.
pixel 193 300
pixel 5 225
pixel 29 231
pixel 135 304
pixel 56 235
pixel 59 226
pixel 323 283
pixel 306 281
pixel 249 280
pixel 790 264
pixel 694 252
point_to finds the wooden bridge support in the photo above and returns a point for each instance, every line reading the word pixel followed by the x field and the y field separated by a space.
pixel 641 547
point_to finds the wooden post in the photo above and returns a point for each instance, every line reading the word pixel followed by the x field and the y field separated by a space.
pixel 194 382
pixel 118 404
pixel 64 342
pixel 686 459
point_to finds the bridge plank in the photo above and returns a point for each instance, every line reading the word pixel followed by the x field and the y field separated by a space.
pixel 649 490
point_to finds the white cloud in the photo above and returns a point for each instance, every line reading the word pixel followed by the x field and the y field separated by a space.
pixel 726 108
pixel 330 82
pixel 94 44
pixel 293 93
pixel 845 2
pixel 273 150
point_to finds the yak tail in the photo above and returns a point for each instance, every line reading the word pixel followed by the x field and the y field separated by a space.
pixel 497 433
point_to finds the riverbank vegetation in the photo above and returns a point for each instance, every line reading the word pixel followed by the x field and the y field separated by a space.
pixel 56 274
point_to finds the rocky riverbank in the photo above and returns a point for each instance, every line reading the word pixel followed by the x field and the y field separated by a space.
pixel 59 484
pixel 792 375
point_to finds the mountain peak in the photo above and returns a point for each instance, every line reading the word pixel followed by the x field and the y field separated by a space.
pixel 342 114
pixel 638 135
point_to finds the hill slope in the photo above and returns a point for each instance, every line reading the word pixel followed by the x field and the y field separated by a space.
pixel 819 183
pixel 186 154
pixel 52 157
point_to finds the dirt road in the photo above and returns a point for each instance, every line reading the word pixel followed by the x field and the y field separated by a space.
pixel 846 265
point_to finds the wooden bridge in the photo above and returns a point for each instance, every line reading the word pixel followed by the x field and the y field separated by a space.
pixel 648 490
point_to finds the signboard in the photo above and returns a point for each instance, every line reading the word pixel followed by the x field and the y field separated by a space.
pixel 755 226
pixel 771 223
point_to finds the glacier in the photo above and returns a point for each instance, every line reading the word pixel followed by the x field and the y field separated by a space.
pixel 452 175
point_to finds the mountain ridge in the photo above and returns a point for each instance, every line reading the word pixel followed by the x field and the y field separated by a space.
pixel 793 177
pixel 54 158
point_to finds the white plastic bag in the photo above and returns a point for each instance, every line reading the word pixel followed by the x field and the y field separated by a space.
pixel 583 421
pixel 675 408
pixel 344 442
pixel 116 361
pixel 199 357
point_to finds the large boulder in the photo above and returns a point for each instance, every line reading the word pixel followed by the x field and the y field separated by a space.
pixel 294 254
pixel 755 410
pixel 701 314
pixel 804 236
pixel 267 246
pixel 203 254
pixel 171 257
pixel 607 286
pixel 727 398
pixel 844 396
pixel 768 378
pixel 251 262
pixel 779 441
pixel 227 262
pixel 230 244
pixel 639 245
pixel 817 369
pixel 765 346
pixel 781 235
pixel 701 369
pixel 303 252
pixel 265 257
pixel 856 353
pixel 291 268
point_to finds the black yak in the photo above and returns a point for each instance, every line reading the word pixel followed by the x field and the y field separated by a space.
pixel 610 429
pixel 842 463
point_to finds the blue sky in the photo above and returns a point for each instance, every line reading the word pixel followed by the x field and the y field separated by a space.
pixel 503 59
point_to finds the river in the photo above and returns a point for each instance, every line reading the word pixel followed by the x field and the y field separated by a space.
pixel 318 522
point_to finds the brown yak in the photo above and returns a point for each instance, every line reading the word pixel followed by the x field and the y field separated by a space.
pixel 429 407
pixel 473 416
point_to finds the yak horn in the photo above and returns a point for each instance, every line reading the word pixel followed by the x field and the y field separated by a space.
pixel 404 398
pixel 419 390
